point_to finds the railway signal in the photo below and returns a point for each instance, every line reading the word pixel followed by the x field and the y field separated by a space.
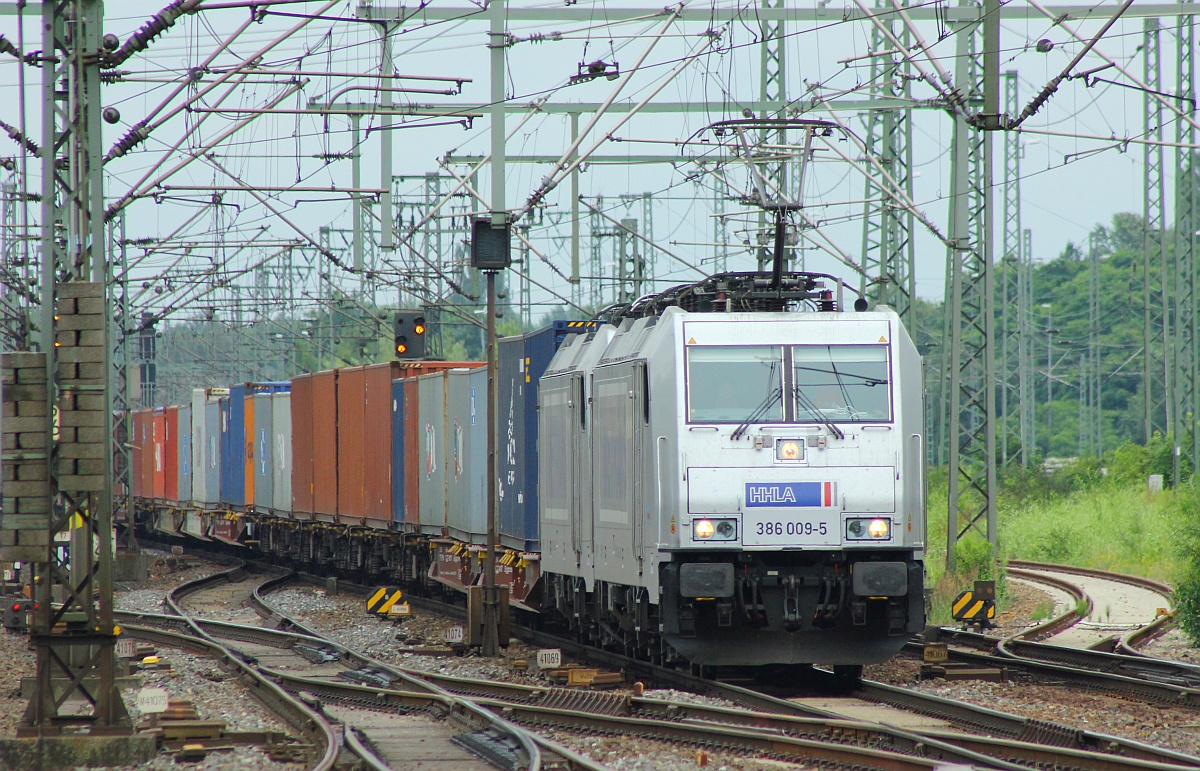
pixel 408 332
pixel 976 606
pixel 16 615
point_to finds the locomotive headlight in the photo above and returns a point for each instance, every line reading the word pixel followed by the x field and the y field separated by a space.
pixel 789 449
pixel 868 529
pixel 714 530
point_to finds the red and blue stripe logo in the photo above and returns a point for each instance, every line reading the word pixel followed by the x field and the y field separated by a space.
pixel 798 495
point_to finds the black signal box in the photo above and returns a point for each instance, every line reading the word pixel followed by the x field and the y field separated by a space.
pixel 491 247
pixel 409 332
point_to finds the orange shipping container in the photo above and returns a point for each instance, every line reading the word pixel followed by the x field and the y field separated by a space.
pixel 135 471
pixel 351 393
pixel 377 443
pixel 158 479
pixel 302 446
pixel 324 444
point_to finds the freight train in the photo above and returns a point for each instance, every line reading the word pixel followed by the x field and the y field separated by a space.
pixel 730 472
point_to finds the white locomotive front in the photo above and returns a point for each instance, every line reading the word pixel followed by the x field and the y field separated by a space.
pixel 737 487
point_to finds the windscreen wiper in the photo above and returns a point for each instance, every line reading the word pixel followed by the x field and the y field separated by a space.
pixel 866 380
pixel 758 412
pixel 807 404
pixel 842 388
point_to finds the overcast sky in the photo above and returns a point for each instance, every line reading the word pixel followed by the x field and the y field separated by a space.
pixel 1074 175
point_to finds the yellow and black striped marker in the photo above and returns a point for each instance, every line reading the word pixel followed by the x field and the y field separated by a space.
pixel 971 608
pixel 382 598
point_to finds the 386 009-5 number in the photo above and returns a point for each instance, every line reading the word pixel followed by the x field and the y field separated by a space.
pixel 792 528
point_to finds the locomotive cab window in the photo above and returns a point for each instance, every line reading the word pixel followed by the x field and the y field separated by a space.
pixel 732 384
pixel 841 383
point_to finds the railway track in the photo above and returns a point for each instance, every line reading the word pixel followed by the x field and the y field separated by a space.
pixel 443 729
pixel 1007 741
pixel 382 687
pixel 1000 740
pixel 1125 673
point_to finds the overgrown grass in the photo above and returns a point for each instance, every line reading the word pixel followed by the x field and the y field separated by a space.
pixel 1077 518
pixel 1043 611
pixel 1112 526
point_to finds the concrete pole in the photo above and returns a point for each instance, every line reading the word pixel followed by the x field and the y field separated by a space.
pixel 386 70
pixel 491 598
pixel 574 214
pixel 356 198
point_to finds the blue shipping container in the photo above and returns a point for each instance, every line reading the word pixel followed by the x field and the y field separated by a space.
pixel 233 439
pixel 522 361
pixel 233 448
pixel 184 438
pixel 263 459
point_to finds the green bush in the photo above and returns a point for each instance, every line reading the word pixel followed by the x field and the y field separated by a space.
pixel 1187 606
pixel 1187 589
pixel 1132 463
pixel 1019 485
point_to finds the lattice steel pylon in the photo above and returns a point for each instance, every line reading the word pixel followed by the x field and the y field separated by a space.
pixel 970 423
pixel 15 283
pixel 1095 415
pixel 1187 219
pixel 888 249
pixel 72 626
pixel 1156 372
pixel 630 265
pixel 720 233
pixel 121 326
pixel 1012 276
pixel 773 94
pixel 596 232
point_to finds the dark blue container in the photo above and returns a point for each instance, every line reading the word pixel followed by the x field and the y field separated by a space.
pixel 233 448
pixel 263 440
pixel 398 464
pixel 522 361
pixel 233 439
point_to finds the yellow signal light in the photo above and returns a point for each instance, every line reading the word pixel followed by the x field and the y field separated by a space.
pixel 401 347
pixel 419 328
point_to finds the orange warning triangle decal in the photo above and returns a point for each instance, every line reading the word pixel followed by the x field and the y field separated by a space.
pixel 691 341
pixel 883 339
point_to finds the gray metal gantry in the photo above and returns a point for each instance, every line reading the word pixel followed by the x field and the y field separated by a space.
pixel 1187 219
pixel 72 626
pixel 1156 381
pixel 888 249
pixel 1014 273
pixel 970 418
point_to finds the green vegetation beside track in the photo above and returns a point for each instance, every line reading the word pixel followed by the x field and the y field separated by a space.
pixel 1091 513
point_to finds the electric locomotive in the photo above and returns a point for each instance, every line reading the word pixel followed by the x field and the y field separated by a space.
pixel 726 473
pixel 732 473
